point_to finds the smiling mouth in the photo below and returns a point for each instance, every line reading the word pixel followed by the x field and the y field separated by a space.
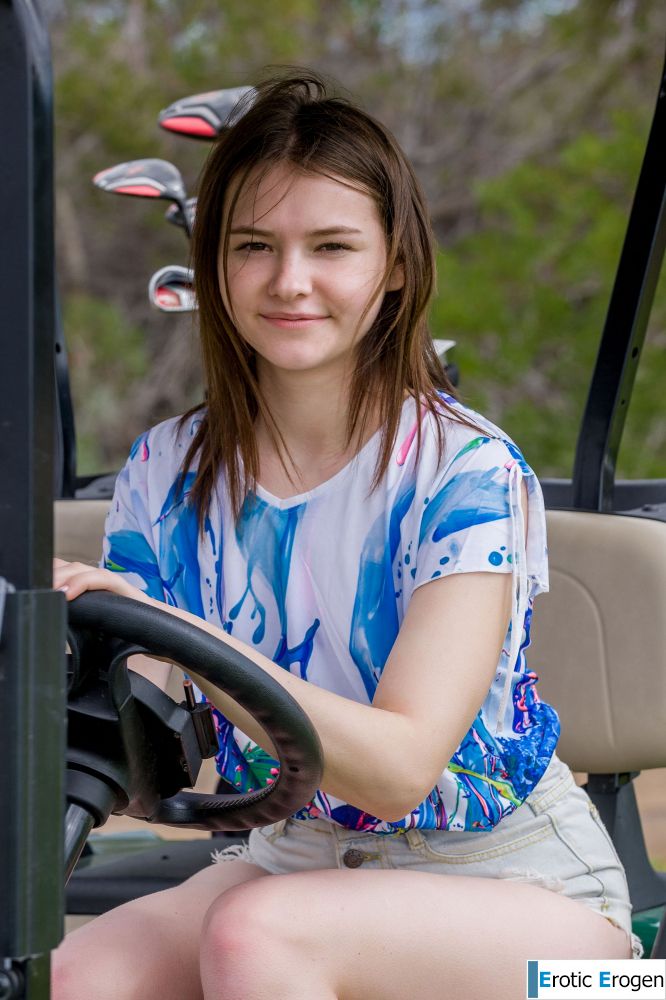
pixel 293 320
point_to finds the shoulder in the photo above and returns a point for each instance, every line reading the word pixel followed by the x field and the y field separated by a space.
pixel 469 442
pixel 476 488
pixel 163 447
pixel 151 484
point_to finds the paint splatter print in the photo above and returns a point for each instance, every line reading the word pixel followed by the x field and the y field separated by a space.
pixel 321 582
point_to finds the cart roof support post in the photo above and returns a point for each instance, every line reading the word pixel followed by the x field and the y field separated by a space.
pixel 32 616
pixel 625 327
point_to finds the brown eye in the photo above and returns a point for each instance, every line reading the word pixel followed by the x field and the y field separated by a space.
pixel 253 247
pixel 334 247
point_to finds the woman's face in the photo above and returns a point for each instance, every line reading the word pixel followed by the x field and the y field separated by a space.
pixel 306 254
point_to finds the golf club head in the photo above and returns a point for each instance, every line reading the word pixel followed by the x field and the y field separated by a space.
pixel 206 116
pixel 143 179
pixel 441 347
pixel 175 216
pixel 451 369
pixel 171 289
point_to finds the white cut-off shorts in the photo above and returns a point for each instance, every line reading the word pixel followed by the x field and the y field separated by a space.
pixel 555 840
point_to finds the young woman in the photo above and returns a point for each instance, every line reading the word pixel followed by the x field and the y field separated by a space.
pixel 374 546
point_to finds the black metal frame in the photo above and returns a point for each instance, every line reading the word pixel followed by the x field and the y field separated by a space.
pixel 64 466
pixel 32 634
pixel 624 330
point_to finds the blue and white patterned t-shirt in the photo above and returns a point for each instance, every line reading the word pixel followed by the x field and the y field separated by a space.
pixel 321 582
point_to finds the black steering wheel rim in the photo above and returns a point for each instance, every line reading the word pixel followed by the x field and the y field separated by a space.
pixel 296 743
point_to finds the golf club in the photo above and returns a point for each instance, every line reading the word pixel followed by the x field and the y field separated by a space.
pixel 149 178
pixel 174 215
pixel 171 289
pixel 205 116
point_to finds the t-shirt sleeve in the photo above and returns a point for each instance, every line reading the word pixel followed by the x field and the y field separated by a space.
pixel 472 519
pixel 128 546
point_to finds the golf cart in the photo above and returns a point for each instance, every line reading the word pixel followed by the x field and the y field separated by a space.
pixel 613 665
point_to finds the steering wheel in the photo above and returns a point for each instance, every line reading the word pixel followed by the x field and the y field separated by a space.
pixel 133 626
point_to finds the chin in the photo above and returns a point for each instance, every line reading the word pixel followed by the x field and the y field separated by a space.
pixel 298 365
pixel 302 361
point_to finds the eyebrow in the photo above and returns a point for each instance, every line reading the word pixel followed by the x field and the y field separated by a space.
pixel 330 231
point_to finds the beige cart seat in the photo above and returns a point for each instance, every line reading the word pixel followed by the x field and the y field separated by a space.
pixel 79 529
pixel 599 640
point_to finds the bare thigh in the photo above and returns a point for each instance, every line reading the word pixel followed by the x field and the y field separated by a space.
pixel 146 948
pixel 381 935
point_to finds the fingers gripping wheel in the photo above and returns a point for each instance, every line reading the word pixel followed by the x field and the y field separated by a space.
pixel 141 626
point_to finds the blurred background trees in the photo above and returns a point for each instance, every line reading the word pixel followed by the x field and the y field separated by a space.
pixel 526 121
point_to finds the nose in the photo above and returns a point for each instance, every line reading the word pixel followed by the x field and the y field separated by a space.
pixel 291 277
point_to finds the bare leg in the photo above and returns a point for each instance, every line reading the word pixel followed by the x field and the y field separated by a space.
pixel 146 948
pixel 378 935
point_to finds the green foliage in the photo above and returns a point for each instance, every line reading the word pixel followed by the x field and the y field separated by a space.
pixel 484 96
pixel 106 355
pixel 525 296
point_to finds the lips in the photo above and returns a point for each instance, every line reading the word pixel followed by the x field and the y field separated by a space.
pixel 292 316
pixel 292 321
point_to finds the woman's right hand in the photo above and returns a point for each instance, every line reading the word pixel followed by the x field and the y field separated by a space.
pixel 74 578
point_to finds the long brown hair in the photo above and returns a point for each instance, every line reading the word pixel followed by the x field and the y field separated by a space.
pixel 294 120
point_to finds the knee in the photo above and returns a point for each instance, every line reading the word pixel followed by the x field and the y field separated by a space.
pixel 77 974
pixel 242 922
pixel 257 941
pixel 69 976
pixel 96 961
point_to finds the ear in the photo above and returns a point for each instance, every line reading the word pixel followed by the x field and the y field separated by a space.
pixel 396 278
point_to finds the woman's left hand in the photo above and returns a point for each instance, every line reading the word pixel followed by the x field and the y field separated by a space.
pixel 73 578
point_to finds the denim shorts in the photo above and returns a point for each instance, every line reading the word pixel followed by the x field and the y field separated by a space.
pixel 555 840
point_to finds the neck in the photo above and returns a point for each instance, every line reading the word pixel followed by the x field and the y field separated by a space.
pixel 309 410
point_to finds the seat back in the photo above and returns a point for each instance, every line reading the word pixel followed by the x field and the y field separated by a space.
pixel 599 640
pixel 79 529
